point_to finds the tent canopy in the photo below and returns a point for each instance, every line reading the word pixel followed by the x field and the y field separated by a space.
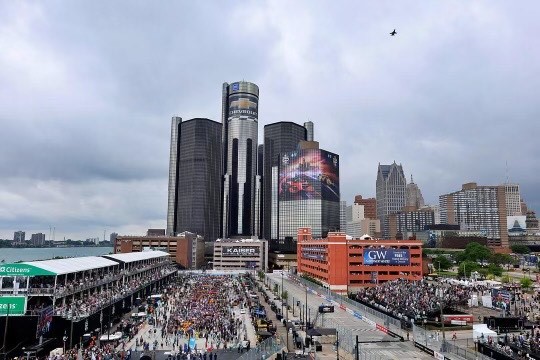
pixel 137 256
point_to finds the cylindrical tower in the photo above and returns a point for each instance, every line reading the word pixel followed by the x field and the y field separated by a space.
pixel 240 127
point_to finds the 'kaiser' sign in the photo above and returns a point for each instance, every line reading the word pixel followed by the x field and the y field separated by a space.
pixel 245 251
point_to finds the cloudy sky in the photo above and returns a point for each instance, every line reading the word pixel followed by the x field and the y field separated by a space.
pixel 87 90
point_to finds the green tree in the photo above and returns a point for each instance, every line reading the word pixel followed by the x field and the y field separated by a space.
pixel 276 288
pixel 494 269
pixel 466 267
pixel 441 262
pixel 501 259
pixel 476 252
pixel 505 279
pixel 520 249
pixel 285 295
pixel 526 283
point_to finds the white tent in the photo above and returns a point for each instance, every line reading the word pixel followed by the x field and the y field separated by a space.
pixel 482 329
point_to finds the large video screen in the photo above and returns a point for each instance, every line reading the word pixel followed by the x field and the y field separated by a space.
pixel 386 257
pixel 309 174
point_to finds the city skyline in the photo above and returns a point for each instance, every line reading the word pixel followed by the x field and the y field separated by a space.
pixel 86 124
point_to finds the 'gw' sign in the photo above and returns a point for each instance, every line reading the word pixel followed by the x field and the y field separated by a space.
pixel 386 257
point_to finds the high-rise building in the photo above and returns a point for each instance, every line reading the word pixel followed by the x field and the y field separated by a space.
pixel 19 236
pixel 308 192
pixel 477 208
pixel 413 195
pixel 370 206
pixel 410 221
pixel 390 196
pixel 173 178
pixel 240 103
pixel 513 199
pixel 343 215
pixel 280 137
pixel 38 239
pixel 195 178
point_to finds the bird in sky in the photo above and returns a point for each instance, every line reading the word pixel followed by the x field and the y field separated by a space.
pixel 393 32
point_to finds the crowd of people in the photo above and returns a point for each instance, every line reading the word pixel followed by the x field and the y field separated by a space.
pixel 416 299
pixel 87 304
pixel 200 308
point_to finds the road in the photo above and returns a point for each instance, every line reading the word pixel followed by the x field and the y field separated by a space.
pixel 372 340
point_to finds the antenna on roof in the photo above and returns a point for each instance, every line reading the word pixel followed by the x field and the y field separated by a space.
pixel 507 181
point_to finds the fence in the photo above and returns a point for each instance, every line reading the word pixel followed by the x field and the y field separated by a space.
pixel 264 349
pixel 427 338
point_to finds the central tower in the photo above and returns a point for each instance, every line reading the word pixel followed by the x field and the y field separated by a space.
pixel 240 105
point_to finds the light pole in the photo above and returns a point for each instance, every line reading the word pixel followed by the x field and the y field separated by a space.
pixel 4 345
pixel 282 291
pixel 441 296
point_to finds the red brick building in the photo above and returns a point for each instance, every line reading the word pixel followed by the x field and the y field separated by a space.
pixel 370 206
pixel 346 264
pixel 186 249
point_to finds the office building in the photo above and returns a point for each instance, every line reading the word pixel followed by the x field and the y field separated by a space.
pixel 280 137
pixel 370 206
pixel 308 193
pixel 477 208
pixel 358 228
pixel 390 195
pixel 194 178
pixel 19 236
pixel 240 102
pixel 345 214
pixel 513 200
pixel 413 196
pixel 240 254
pixel 410 221
pixel 186 249
pixel 37 239
pixel 362 262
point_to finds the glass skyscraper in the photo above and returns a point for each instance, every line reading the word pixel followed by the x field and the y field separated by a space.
pixel 308 193
pixel 240 104
pixel 195 178
pixel 280 137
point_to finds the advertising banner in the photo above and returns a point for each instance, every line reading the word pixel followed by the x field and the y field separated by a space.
pixel 44 322
pixel 309 174
pixel 22 270
pixel 243 251
pixel 12 305
pixel 467 318
pixel 386 257
pixel 306 255
pixel 243 104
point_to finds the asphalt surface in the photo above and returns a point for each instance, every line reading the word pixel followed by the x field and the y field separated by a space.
pixel 372 340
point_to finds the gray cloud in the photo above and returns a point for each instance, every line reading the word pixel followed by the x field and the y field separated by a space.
pixel 88 90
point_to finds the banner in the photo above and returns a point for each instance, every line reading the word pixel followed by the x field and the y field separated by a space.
pixel 386 257
pixel 44 322
pixel 23 270
pixel 12 305
pixel 247 251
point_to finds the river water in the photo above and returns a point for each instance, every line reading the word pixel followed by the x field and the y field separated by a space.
pixel 11 255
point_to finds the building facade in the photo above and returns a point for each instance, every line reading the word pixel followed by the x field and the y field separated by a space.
pixel 38 239
pixel 513 200
pixel 405 224
pixel 344 264
pixel 359 228
pixel 308 193
pixel 195 181
pixel 240 103
pixel 413 195
pixel 370 206
pixel 477 208
pixel 19 236
pixel 391 184
pixel 249 254
pixel 186 249
pixel 280 137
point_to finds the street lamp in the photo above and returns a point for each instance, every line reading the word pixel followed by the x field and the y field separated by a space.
pixel 282 292
pixel 441 298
